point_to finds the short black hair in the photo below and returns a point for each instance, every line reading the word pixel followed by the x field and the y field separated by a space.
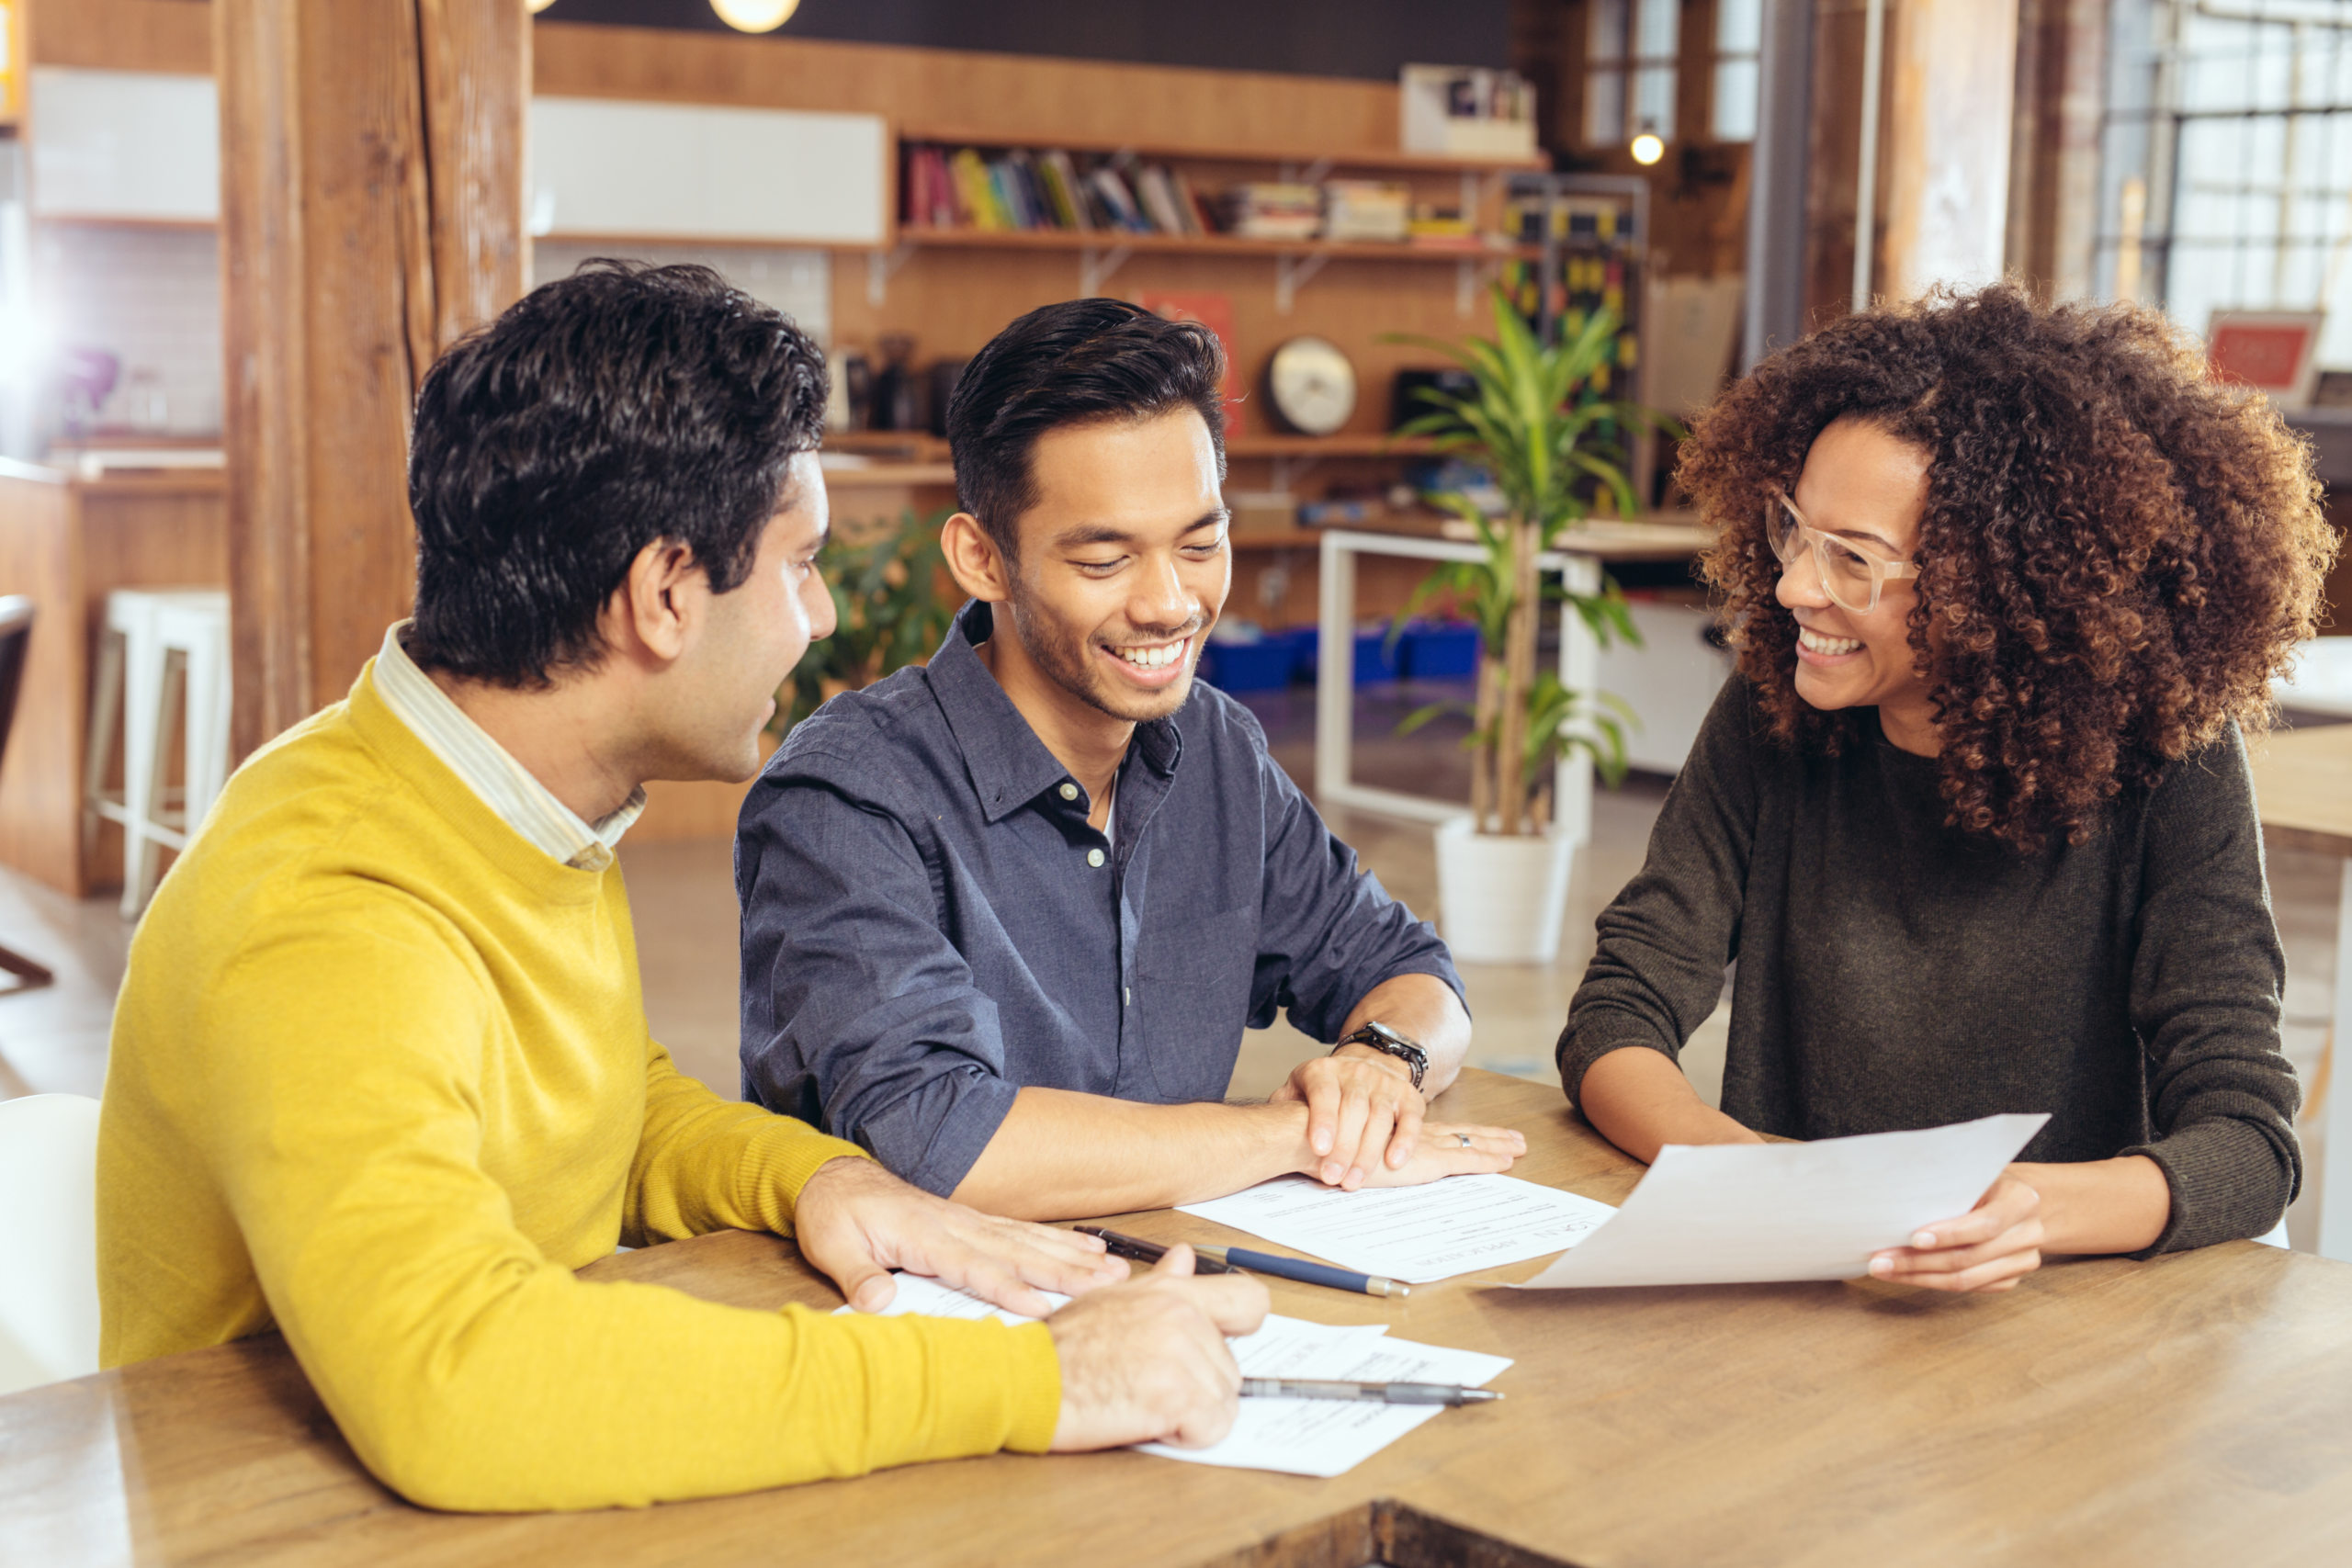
pixel 1073 363
pixel 623 404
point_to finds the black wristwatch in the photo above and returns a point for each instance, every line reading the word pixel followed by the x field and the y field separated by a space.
pixel 1382 1038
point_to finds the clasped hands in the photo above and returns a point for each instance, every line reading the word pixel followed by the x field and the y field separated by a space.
pixel 1365 1127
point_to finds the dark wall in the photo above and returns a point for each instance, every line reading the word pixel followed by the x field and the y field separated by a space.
pixel 1366 38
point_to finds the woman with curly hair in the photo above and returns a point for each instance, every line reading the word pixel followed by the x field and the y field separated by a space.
pixel 2006 583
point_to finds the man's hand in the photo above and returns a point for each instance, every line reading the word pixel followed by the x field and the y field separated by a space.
pixel 1990 1247
pixel 1362 1114
pixel 1147 1362
pixel 856 1221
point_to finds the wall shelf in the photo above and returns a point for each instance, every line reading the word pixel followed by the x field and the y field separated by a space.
pixel 1397 162
pixel 1202 245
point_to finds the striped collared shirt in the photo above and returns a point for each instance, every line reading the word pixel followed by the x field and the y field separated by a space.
pixel 506 786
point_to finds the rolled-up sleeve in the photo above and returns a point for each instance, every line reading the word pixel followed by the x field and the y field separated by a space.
pixel 858 1014
pixel 1329 931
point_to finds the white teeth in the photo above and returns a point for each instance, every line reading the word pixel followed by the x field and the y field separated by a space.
pixel 1816 643
pixel 1154 658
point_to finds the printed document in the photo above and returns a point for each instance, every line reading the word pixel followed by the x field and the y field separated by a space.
pixel 1415 1233
pixel 1303 1437
pixel 1741 1213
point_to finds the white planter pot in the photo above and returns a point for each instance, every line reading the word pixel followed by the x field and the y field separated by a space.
pixel 1500 899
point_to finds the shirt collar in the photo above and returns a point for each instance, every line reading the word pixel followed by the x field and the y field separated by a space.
pixel 1009 765
pixel 505 786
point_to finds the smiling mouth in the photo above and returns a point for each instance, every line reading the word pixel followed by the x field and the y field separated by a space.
pixel 1151 656
pixel 1828 646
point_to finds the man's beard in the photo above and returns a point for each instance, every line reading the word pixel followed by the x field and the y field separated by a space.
pixel 1064 657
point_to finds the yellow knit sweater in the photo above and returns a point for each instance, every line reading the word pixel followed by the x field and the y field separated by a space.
pixel 381 1078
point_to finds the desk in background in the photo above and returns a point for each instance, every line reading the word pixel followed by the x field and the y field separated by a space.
pixel 2190 1409
pixel 68 537
pixel 2302 789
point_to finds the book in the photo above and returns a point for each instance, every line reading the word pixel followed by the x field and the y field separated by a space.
pixel 1061 184
pixel 1214 312
pixel 973 192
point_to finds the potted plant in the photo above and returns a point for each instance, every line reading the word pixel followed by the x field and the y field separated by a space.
pixel 1551 444
pixel 885 578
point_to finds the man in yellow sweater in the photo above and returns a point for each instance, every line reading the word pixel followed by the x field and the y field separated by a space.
pixel 380 1075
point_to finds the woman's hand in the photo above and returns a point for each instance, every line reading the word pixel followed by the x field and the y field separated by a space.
pixel 1990 1247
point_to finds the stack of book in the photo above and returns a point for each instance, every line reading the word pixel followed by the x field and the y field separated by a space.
pixel 1363 209
pixel 1270 209
pixel 1015 190
pixel 1443 228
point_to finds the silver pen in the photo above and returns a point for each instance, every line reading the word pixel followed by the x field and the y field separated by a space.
pixel 1372 1393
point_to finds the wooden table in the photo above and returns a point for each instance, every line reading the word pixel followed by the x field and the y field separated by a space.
pixel 2197 1408
pixel 2302 789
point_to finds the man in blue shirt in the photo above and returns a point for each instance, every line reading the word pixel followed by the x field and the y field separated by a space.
pixel 1006 917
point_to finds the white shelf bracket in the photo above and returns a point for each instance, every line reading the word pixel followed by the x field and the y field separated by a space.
pixel 880 268
pixel 1291 274
pixel 1096 267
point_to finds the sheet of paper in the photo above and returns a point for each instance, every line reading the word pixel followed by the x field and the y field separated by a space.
pixel 1742 1214
pixel 1415 1233
pixel 1303 1437
pixel 1328 1436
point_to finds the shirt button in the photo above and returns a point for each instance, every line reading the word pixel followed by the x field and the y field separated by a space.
pixel 1069 792
pixel 1095 857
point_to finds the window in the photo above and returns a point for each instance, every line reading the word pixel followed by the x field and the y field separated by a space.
pixel 1630 59
pixel 2228 153
pixel 1739 52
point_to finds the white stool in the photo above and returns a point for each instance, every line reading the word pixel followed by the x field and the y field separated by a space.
pixel 158 644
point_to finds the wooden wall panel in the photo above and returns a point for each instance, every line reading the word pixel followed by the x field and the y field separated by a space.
pixel 1022 95
pixel 121 35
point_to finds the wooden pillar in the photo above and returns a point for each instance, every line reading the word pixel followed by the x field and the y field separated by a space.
pixel 371 178
pixel 2055 151
pixel 1951 70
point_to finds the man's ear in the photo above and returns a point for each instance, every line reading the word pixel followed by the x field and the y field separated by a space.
pixel 978 568
pixel 653 611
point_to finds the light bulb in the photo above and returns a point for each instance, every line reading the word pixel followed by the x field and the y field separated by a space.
pixel 1647 148
pixel 755 15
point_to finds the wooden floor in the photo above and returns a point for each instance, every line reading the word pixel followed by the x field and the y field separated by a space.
pixel 683 894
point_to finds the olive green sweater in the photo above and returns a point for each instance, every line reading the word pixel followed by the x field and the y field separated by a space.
pixel 1896 973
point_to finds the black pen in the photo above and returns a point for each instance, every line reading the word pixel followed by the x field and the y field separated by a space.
pixel 1136 1249
pixel 1371 1393
pixel 1232 1259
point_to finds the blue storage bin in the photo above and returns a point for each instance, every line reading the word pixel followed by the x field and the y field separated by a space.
pixel 1376 661
pixel 1440 650
pixel 1264 666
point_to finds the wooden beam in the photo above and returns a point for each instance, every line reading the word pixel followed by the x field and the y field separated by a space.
pixel 371 212
pixel 1952 75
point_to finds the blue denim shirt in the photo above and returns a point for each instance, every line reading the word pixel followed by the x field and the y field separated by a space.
pixel 930 924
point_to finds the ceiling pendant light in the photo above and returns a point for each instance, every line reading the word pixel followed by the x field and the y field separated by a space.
pixel 755 15
pixel 1648 148
pixel 538 5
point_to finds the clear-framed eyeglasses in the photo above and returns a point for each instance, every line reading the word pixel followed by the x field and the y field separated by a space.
pixel 1852 577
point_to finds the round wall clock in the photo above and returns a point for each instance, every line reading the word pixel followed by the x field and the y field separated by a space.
pixel 1312 385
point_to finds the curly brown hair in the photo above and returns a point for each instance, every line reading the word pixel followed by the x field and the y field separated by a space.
pixel 2117 552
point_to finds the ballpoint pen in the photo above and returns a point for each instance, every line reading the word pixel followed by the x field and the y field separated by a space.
pixel 1370 1393
pixel 1225 1259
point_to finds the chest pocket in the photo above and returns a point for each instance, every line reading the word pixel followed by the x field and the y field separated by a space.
pixel 1193 980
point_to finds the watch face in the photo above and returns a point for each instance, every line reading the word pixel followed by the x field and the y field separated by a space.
pixel 1312 385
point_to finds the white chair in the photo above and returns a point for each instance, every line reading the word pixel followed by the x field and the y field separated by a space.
pixel 159 644
pixel 49 1292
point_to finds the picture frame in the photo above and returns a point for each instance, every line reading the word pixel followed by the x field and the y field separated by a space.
pixel 2273 352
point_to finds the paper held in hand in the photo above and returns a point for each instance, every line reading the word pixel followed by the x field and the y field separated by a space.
pixel 1748 1214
